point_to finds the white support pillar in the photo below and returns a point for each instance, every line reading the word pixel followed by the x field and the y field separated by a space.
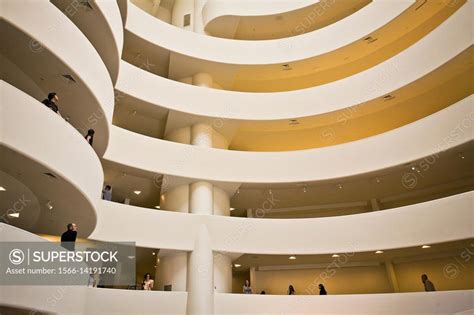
pixel 203 79
pixel 201 198
pixel 249 213
pixel 253 279
pixel 221 202
pixel 198 20
pixel 392 277
pixel 201 135
pixel 200 282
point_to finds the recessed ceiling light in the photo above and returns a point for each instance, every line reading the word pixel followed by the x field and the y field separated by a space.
pixel 339 186
pixel 232 209
pixel 238 191
pixel 2 188
pixel 292 257
pixel 413 168
pixel 425 246
pixel 137 192
pixel 49 205
pixel 130 257
pixel 270 192
pixel 14 215
pixel 154 253
pixel 461 156
pixel 377 180
pixel 335 255
pixel 379 252
pixel 237 265
pixel 304 189
pixel 157 207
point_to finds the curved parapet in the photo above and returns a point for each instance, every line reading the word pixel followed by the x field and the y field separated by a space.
pixel 47 164
pixel 450 220
pixel 38 34
pixel 441 131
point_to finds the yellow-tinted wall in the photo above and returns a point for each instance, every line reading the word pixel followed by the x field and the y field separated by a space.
pixel 350 280
pixel 453 273
pixel 450 273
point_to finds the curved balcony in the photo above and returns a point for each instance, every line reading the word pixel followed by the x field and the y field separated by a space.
pixel 251 67
pixel 80 299
pixel 48 165
pixel 450 219
pixel 101 23
pixel 397 72
pixel 162 35
pixel 426 137
pixel 254 20
pixel 38 60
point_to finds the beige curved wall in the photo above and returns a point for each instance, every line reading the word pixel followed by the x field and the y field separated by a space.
pixel 449 219
pixel 102 25
pixel 26 129
pixel 402 69
pixel 443 130
pixel 198 46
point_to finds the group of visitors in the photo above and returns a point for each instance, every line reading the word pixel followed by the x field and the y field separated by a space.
pixel 50 102
pixel 247 289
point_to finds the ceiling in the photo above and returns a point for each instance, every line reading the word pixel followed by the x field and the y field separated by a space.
pixel 287 24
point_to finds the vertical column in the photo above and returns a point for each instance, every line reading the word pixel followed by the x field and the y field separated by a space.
pixel 253 279
pixel 249 213
pixel 203 79
pixel 200 282
pixel 392 277
pixel 201 198
pixel 198 21
pixel 201 135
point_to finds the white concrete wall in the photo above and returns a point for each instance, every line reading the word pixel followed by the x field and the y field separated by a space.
pixel 172 270
pixel 221 202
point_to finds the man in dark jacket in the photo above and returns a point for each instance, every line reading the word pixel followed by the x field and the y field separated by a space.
pixel 68 238
pixel 50 102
